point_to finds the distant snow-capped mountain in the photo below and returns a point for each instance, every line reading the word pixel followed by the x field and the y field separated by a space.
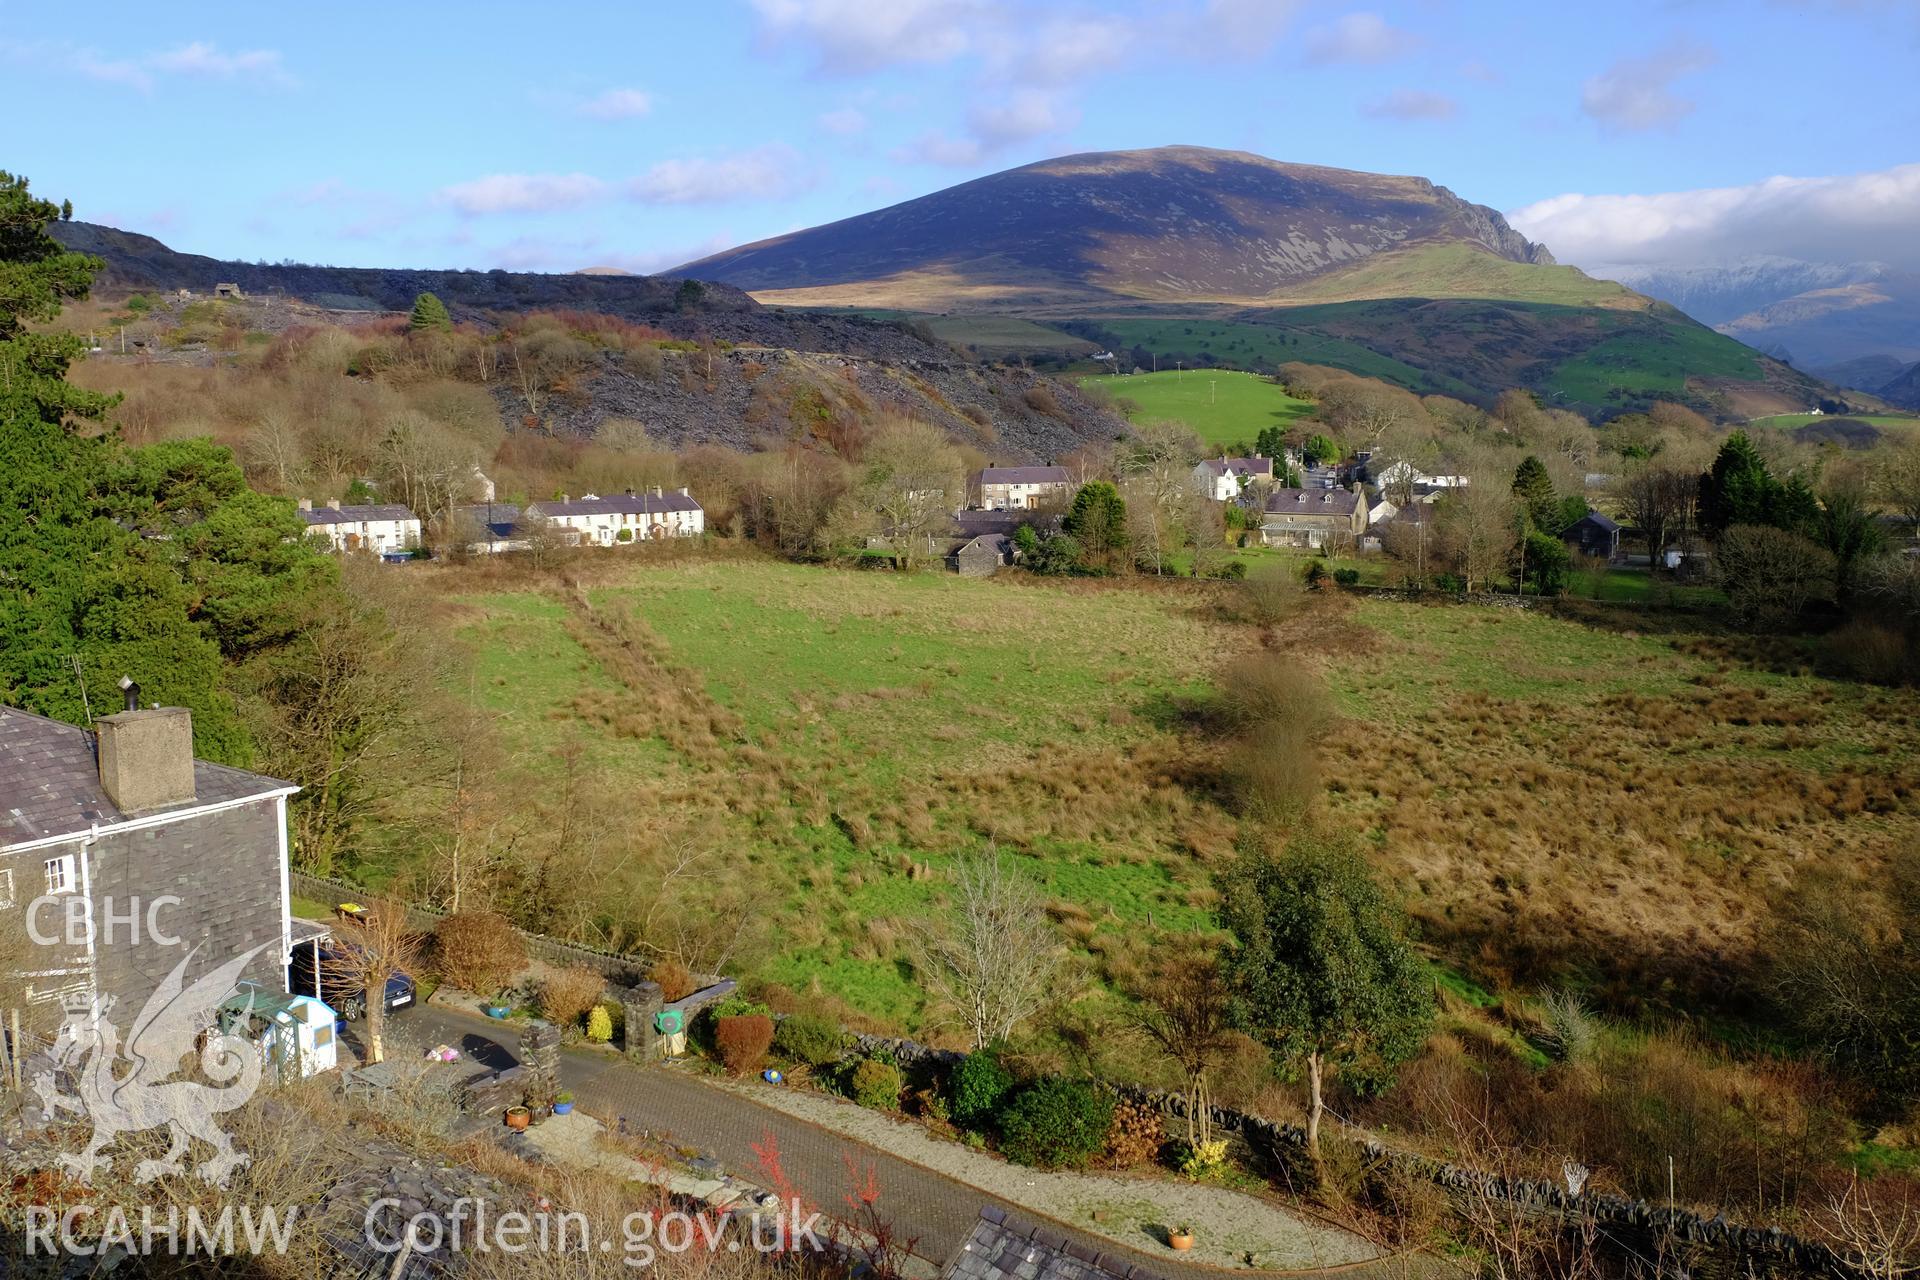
pixel 1717 295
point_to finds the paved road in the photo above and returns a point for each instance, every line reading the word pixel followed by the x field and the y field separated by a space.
pixel 934 1211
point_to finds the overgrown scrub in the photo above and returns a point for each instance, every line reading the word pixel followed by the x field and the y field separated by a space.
pixel 742 1041
pixel 1056 1124
pixel 979 1085
pixel 810 1039
pixel 567 995
pixel 875 1084
pixel 478 951
pixel 1136 1136
pixel 673 979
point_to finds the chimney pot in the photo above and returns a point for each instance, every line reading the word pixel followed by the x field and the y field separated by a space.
pixel 146 757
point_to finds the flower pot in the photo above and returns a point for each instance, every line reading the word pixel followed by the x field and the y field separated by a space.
pixel 1180 1241
pixel 497 1010
pixel 518 1117
pixel 562 1108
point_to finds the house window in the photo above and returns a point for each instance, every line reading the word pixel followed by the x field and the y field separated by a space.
pixel 6 886
pixel 60 874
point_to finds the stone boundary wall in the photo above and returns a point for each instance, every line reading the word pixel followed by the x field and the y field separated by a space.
pixel 1747 1251
pixel 617 967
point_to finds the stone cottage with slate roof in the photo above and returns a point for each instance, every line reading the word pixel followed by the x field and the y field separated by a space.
pixel 384 528
pixel 623 518
pixel 1330 518
pixel 125 820
pixel 1021 488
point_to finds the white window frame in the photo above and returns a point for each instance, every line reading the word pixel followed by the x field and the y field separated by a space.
pixel 61 876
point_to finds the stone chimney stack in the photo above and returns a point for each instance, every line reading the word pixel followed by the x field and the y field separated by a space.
pixel 146 757
pixel 306 504
pixel 333 504
pixel 685 492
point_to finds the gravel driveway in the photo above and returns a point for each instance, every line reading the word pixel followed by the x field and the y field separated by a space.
pixel 1134 1211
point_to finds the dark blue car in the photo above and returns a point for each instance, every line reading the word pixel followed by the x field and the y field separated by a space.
pixel 305 978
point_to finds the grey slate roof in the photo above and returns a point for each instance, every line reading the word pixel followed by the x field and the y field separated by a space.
pixel 620 504
pixel 1312 502
pixel 996 544
pixel 1003 1247
pixel 354 515
pixel 1598 520
pixel 971 524
pixel 50 781
pixel 1025 475
pixel 1255 466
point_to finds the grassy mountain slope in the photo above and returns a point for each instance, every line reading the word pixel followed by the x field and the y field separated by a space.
pixel 1172 223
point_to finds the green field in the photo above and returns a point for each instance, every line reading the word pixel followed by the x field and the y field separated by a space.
pixel 835 738
pixel 1225 407
pixel 883 722
pixel 1589 358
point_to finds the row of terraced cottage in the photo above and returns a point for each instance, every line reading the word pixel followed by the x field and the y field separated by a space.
pixel 1314 507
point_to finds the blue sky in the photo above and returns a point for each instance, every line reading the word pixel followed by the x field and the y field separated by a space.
pixel 641 135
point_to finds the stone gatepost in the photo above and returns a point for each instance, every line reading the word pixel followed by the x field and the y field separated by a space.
pixel 639 1003
pixel 540 1056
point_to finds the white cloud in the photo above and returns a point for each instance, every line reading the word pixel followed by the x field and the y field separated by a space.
pixel 846 122
pixel 618 104
pixel 764 173
pixel 1636 94
pixel 942 149
pixel 1358 38
pixel 523 192
pixel 849 37
pixel 202 59
pixel 1412 104
pixel 1025 114
pixel 197 59
pixel 1851 218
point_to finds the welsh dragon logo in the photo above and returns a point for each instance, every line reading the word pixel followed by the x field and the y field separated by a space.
pixel 125 1089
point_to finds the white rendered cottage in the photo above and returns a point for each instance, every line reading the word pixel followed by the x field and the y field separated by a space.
pixel 387 527
pixel 592 520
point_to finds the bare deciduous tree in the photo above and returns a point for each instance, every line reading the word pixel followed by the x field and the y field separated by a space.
pixel 1657 498
pixel 994 957
pixel 1478 523
pixel 914 484
pixel 368 950
pixel 1878 1231
pixel 1182 1007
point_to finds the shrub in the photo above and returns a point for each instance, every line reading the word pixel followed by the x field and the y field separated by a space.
pixel 674 979
pixel 566 996
pixel 811 1039
pixel 1136 1136
pixel 478 950
pixel 1042 400
pixel 1056 1124
pixel 599 1025
pixel 980 1083
pixel 875 1084
pixel 1204 1160
pixel 1271 594
pixel 1449 582
pixel 1234 571
pixel 743 1040
pixel 1316 574
pixel 1346 577
pixel 1571 1029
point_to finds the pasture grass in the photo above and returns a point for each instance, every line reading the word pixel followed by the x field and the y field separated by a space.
pixel 1224 407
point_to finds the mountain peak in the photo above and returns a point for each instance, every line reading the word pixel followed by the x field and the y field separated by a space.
pixel 1176 223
